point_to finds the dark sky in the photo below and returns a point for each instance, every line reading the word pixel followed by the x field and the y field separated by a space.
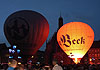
pixel 87 11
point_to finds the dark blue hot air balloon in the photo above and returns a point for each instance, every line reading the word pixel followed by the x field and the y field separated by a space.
pixel 26 29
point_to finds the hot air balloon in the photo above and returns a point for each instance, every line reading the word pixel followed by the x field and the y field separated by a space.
pixel 75 39
pixel 26 29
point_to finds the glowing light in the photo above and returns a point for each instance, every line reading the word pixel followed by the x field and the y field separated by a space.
pixel 90 59
pixel 76 60
pixel 13 51
pixel 14 47
pixel 38 62
pixel 61 61
pixel 75 39
pixel 10 57
pixel 32 57
pixel 10 50
pixel 18 51
pixel 19 63
pixel 93 58
pixel 19 57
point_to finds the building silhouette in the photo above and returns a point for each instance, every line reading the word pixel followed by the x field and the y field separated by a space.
pixel 60 22
pixel 3 53
pixel 94 53
pixel 53 50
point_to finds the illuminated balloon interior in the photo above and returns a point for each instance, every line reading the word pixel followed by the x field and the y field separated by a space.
pixel 75 39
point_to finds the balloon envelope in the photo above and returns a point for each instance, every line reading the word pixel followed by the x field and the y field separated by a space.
pixel 26 29
pixel 75 39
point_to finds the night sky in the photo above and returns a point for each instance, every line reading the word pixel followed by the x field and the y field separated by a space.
pixel 87 11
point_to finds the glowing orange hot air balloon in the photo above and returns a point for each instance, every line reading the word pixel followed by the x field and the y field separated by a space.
pixel 75 39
